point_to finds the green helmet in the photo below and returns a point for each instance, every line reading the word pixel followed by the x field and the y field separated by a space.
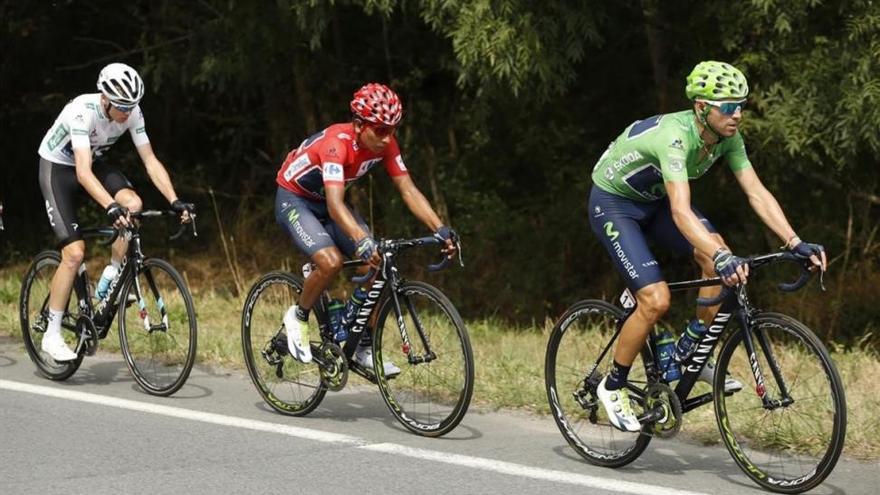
pixel 713 80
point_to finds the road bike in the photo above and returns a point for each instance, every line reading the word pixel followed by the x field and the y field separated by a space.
pixel 157 319
pixel 786 433
pixel 413 324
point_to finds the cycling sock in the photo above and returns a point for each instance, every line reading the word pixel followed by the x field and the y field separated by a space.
pixel 54 327
pixel 116 264
pixel 617 378
pixel 302 314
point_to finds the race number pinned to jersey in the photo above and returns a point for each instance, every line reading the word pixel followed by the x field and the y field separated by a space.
pixel 627 300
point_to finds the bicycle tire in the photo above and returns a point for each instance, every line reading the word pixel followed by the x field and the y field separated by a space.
pixel 429 398
pixel 566 365
pixel 261 323
pixel 762 441
pixel 158 358
pixel 33 319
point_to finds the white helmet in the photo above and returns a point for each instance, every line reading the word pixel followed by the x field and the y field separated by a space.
pixel 121 85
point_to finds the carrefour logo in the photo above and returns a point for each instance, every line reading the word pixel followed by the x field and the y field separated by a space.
pixel 610 232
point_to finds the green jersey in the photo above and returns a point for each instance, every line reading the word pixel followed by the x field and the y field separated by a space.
pixel 662 148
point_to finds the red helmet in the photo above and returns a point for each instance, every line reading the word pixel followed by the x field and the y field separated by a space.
pixel 378 104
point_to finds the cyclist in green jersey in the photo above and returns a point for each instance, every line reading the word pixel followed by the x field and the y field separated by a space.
pixel 641 190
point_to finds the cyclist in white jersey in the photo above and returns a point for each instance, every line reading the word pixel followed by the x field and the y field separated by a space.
pixel 70 161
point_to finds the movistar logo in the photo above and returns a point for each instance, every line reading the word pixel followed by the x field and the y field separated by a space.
pixel 610 232
pixel 293 216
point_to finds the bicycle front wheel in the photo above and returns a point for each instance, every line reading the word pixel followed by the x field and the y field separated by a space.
pixel 431 394
pixel 157 328
pixel 572 371
pixel 34 315
pixel 290 387
pixel 789 440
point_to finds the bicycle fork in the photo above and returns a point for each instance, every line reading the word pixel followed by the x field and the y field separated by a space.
pixel 142 304
pixel 760 387
pixel 406 346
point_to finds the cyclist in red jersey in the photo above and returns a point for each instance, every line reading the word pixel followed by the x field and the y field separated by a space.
pixel 310 203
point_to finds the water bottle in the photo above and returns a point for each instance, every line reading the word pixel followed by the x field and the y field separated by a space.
pixel 666 352
pixel 687 343
pixel 107 276
pixel 334 312
pixel 353 305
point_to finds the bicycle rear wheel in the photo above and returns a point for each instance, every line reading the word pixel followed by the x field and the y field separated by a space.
pixel 290 387
pixel 33 315
pixel 430 397
pixel 157 328
pixel 572 373
pixel 786 446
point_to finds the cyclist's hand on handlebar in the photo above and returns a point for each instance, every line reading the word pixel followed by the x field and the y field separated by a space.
pixel 187 211
pixel 732 269
pixel 367 251
pixel 815 252
pixel 450 237
pixel 118 215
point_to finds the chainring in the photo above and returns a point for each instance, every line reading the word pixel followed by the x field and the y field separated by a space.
pixel 660 394
pixel 334 367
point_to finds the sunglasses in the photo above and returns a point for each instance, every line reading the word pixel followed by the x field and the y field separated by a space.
pixel 383 131
pixel 123 108
pixel 727 107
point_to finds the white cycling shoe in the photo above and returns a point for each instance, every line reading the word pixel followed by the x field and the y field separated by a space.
pixel 707 375
pixel 53 345
pixel 297 337
pixel 364 357
pixel 618 407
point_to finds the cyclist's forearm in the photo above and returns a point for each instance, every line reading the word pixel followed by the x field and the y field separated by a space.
pixel 160 178
pixel 87 179
pixel 340 214
pixel 768 209
pixel 695 232
pixel 421 208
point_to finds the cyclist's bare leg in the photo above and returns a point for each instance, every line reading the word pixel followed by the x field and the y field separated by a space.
pixel 653 302
pixel 707 313
pixel 328 264
pixel 62 282
pixel 129 199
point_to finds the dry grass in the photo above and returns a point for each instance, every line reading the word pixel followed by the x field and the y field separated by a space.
pixel 509 361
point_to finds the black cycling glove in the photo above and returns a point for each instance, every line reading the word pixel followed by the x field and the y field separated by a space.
pixel 807 249
pixel 445 233
pixel 726 263
pixel 115 211
pixel 180 207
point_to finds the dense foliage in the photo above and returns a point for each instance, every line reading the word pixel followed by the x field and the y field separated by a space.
pixel 508 105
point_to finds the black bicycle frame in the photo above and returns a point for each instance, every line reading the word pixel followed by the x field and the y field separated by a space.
pixel 387 279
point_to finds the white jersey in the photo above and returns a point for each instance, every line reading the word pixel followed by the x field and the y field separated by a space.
pixel 83 124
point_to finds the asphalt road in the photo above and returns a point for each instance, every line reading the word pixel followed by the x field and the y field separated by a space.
pixel 98 433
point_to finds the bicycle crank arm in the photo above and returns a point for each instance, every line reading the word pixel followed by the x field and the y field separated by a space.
pixel 656 414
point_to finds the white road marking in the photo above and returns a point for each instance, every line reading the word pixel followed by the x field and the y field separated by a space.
pixel 482 463
pixel 512 469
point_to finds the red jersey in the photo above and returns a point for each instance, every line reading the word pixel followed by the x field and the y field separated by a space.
pixel 333 156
